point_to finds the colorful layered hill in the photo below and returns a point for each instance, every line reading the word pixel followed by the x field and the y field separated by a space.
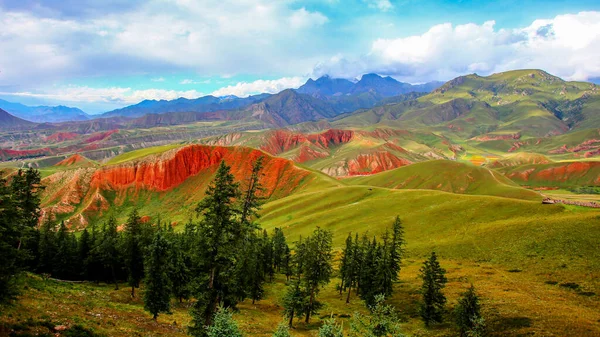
pixel 346 152
pixel 554 175
pixel 449 176
pixel 75 160
pixel 521 158
pixel 168 183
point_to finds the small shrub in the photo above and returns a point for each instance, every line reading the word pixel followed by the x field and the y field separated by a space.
pixel 570 285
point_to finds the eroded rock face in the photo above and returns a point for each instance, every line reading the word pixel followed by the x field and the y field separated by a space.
pixel 280 141
pixel 83 191
pixel 61 137
pixel 365 164
pixel 559 173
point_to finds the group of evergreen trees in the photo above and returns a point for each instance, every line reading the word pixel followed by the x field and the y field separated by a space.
pixel 467 313
pixel 371 267
pixel 19 213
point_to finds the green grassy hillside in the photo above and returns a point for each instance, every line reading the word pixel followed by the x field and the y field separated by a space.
pixel 449 176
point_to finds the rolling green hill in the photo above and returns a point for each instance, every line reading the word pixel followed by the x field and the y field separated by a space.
pixel 449 176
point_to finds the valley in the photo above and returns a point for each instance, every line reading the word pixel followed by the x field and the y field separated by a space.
pixel 465 165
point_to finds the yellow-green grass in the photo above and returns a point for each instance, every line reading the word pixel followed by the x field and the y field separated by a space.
pixel 449 176
pixel 514 233
pixel 520 158
pixel 137 154
pixel 514 303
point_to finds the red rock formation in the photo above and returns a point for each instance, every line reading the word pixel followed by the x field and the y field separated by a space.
pixel 72 160
pixel 517 145
pixel 558 173
pixel 174 167
pixel 374 163
pixel 282 140
pixel 100 136
pixel 307 154
pixel 61 137
pixel 7 154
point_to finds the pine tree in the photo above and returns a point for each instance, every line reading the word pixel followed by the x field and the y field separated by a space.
pixel 108 249
pixel 317 267
pixel 9 238
pixel 19 213
pixel 157 297
pixel 279 248
pixel 179 271
pixel 219 236
pixel 283 330
pixel 355 263
pixel 396 248
pixel 382 321
pixel 251 202
pixel 468 315
pixel 84 250
pixel 294 301
pixel 368 281
pixel 287 263
pixel 65 253
pixel 346 265
pixel 330 329
pixel 26 189
pixel 434 280
pixel 94 262
pixel 224 325
pixel 267 256
pixel 134 257
pixel 385 274
pixel 47 247
pixel 257 274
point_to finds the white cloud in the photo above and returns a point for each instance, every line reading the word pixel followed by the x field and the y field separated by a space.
pixel 107 95
pixel 382 5
pixel 189 81
pixel 302 18
pixel 126 96
pixel 244 89
pixel 567 46
pixel 158 79
pixel 212 37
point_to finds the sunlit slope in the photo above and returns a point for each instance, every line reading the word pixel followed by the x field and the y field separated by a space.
pixel 515 233
pixel 449 176
pixel 531 102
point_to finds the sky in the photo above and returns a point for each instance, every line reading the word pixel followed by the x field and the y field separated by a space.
pixel 99 55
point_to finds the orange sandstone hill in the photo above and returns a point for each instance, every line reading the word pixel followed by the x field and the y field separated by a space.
pixel 175 179
pixel 339 152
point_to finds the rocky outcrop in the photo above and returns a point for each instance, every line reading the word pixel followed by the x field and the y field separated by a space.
pixel 84 193
pixel 100 136
pixel 366 164
pixel 72 160
pixel 280 141
pixel 174 167
pixel 581 173
pixel 61 137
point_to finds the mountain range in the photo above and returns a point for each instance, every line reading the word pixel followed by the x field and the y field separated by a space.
pixel 339 95
pixel 44 114
pixel 10 122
